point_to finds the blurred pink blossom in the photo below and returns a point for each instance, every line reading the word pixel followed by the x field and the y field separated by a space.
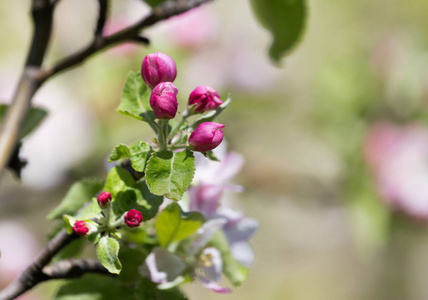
pixel 193 28
pixel 398 157
pixel 18 248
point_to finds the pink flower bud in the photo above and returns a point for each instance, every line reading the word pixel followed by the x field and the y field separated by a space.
pixel 104 199
pixel 163 100
pixel 204 98
pixel 133 218
pixel 206 136
pixel 158 67
pixel 80 228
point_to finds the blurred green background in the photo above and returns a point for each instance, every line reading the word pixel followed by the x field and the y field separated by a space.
pixel 325 231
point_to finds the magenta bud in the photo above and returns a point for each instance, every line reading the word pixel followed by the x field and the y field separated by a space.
pixel 133 218
pixel 80 228
pixel 206 136
pixel 204 98
pixel 163 100
pixel 104 199
pixel 158 67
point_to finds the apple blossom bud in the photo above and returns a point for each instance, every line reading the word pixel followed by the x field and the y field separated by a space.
pixel 163 100
pixel 158 67
pixel 104 199
pixel 133 218
pixel 204 98
pixel 80 228
pixel 206 136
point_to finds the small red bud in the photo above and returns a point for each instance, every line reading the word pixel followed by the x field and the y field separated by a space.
pixel 80 228
pixel 104 199
pixel 133 218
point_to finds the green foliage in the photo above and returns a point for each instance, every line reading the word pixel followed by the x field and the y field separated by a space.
pixel 131 259
pixel 285 19
pixel 94 287
pixel 79 193
pixel 118 180
pixel 154 3
pixel 173 225
pixel 33 119
pixel 138 153
pixel 147 290
pixel 170 173
pixel 234 271
pixel 108 252
pixel 135 100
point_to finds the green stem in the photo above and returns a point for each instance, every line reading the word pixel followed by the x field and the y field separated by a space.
pixel 183 119
pixel 162 134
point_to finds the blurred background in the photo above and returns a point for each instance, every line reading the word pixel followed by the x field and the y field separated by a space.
pixel 335 139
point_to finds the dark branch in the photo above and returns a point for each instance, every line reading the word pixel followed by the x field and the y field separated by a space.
pixel 34 274
pixel 74 268
pixel 102 17
pixel 160 13
pixel 42 13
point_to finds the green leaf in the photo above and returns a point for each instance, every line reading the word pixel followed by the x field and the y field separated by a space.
pixel 118 180
pixel 33 119
pixel 147 290
pixel 169 173
pixel 285 19
pixel 94 287
pixel 89 211
pixel 119 152
pixel 213 114
pixel 173 225
pixel 68 223
pixel 234 271
pixel 71 250
pixel 107 252
pixel 135 100
pixel 154 3
pixel 131 259
pixel 79 193
pixel 140 153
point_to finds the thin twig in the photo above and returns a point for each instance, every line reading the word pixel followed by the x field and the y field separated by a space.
pixel 160 13
pixel 102 17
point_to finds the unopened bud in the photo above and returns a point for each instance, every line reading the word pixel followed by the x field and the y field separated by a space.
pixel 204 98
pixel 80 228
pixel 104 199
pixel 158 67
pixel 133 218
pixel 163 100
pixel 206 136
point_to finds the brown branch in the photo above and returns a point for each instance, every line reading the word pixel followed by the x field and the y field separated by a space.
pixel 102 17
pixel 160 13
pixel 42 13
pixel 74 268
pixel 33 76
pixel 34 274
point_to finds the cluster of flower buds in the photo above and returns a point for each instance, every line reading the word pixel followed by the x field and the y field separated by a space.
pixel 158 71
pixel 132 218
